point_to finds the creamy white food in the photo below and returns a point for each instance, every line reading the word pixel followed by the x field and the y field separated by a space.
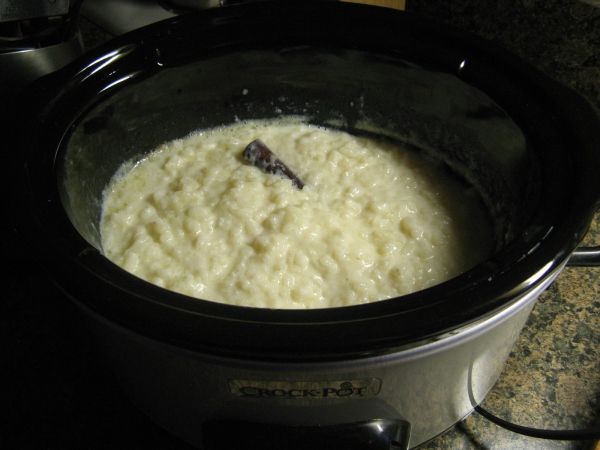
pixel 373 220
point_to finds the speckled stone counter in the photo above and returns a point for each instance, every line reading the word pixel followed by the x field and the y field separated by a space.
pixel 552 378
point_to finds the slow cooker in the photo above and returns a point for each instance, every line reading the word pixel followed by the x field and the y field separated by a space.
pixel 391 374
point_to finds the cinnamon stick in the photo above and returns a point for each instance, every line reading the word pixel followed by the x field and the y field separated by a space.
pixel 259 155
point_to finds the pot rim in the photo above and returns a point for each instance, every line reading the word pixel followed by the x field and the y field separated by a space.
pixel 332 333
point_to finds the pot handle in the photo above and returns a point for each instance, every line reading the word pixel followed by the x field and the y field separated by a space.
pixel 585 257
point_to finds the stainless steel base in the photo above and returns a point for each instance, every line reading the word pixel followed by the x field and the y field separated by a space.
pixel 432 385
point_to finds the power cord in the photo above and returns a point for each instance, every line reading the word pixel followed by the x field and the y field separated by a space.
pixel 558 435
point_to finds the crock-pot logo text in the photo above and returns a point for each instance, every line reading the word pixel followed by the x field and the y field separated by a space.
pixel 305 389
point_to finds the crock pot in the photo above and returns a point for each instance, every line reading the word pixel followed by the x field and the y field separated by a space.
pixel 391 374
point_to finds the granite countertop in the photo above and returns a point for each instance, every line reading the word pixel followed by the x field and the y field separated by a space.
pixel 62 395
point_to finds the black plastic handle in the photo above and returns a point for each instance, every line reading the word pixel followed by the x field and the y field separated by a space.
pixel 376 434
pixel 585 257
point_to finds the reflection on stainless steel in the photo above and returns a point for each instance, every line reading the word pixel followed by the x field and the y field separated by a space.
pixel 120 16
pixel 193 4
pixel 19 68
pixel 28 9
